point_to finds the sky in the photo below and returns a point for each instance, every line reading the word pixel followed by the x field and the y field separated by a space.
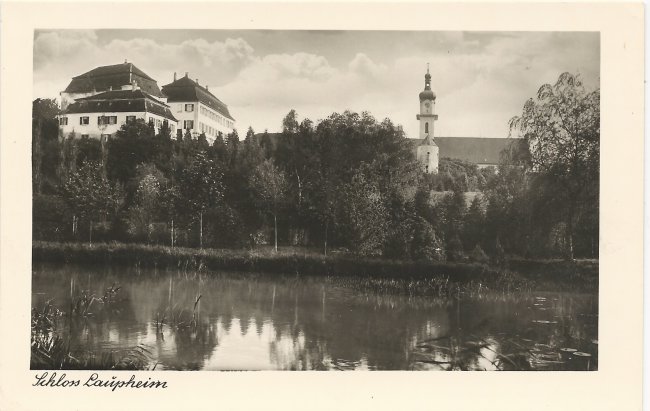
pixel 481 79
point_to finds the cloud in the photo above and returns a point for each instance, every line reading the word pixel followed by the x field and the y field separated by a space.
pixel 481 79
pixel 53 46
pixel 66 53
pixel 362 65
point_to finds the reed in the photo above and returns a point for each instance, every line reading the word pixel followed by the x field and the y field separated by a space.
pixel 304 262
pixel 51 351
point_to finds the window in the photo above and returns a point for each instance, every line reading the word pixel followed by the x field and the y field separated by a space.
pixel 188 124
pixel 105 136
pixel 63 121
pixel 130 119
pixel 84 121
pixel 189 107
pixel 426 127
pixel 84 135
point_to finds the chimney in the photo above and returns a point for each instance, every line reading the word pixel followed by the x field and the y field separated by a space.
pixel 125 61
pixel 197 81
pixel 207 87
pixel 134 85
pixel 174 76
pixel 186 73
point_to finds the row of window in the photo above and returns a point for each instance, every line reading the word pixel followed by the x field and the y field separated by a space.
pixel 216 117
pixel 208 130
pixel 109 120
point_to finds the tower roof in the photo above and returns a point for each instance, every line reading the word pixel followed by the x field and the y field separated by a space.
pixel 427 94
pixel 428 141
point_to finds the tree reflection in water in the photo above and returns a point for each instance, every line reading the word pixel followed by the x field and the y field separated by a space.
pixel 252 321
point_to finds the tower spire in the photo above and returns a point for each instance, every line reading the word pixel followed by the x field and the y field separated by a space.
pixel 427 79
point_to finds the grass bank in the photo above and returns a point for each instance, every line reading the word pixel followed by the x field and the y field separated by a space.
pixel 554 274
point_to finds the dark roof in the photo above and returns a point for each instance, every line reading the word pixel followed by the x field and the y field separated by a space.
pixel 475 150
pixel 186 89
pixel 121 101
pixel 114 76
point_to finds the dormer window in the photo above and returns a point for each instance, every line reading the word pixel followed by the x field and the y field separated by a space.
pixel 189 107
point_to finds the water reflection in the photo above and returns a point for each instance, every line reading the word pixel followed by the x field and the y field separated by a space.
pixel 256 322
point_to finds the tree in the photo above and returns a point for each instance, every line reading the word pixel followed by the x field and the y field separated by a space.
pixel 266 144
pixel 365 217
pixel 269 186
pixel 425 244
pixel 132 145
pixel 146 207
pixel 232 145
pixel 44 130
pixel 91 196
pixel 250 135
pixel 562 129
pixel 454 213
pixel 474 223
pixel 290 122
pixel 201 187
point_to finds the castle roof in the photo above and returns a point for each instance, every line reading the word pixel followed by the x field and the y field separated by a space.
pixel 475 150
pixel 121 101
pixel 185 89
pixel 113 77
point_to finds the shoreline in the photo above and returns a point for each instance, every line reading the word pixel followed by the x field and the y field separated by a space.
pixel 543 274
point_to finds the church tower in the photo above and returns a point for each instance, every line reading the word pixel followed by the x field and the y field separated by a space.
pixel 427 151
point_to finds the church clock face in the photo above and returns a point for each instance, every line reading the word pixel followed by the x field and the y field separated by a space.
pixel 427 105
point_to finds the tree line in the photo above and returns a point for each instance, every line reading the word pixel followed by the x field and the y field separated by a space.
pixel 348 182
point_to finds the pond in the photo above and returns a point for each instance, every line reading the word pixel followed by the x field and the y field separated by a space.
pixel 238 321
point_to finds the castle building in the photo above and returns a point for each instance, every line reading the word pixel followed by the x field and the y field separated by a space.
pixel 197 109
pixel 427 151
pixel 98 102
pixel 101 115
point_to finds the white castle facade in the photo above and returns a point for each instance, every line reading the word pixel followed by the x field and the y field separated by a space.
pixel 97 103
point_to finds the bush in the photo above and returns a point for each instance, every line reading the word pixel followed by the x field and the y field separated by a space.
pixel 455 250
pixel 478 255
pixel 49 217
pixel 425 244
